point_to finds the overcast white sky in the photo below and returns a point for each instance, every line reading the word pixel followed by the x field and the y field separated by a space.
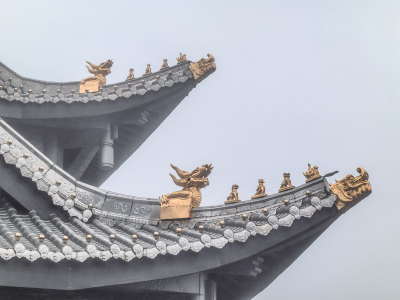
pixel 296 82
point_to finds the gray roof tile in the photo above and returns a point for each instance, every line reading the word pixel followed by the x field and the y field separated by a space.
pixel 68 91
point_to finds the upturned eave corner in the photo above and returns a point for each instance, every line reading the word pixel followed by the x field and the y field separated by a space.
pixel 203 67
pixel 350 189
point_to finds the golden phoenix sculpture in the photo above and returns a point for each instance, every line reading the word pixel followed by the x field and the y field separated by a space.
pixel 178 204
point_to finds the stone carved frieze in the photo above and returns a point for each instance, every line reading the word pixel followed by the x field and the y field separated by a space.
pixel 141 211
pixel 107 221
pixel 120 207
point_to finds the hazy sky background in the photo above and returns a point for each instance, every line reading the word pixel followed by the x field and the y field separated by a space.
pixel 296 82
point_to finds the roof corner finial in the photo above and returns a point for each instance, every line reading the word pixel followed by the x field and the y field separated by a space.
pixel 203 66
pixel 351 188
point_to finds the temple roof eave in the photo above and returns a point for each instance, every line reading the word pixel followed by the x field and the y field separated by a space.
pixel 24 90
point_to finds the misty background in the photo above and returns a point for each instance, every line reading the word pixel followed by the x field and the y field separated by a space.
pixel 296 82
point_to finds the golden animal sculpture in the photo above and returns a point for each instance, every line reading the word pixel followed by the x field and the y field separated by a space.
pixel 92 83
pixel 203 66
pixel 260 192
pixel 131 76
pixel 312 173
pixel 181 58
pixel 148 70
pixel 165 64
pixel 233 196
pixel 286 183
pixel 351 188
pixel 178 205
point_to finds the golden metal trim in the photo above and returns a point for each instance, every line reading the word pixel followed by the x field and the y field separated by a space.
pixel 134 238
pixel 112 238
pixel 201 228
pixel 179 231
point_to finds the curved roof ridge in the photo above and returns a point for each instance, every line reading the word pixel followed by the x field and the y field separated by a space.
pixel 10 70
pixel 82 200
pixel 155 73
pixel 97 240
pixel 14 87
pixel 77 198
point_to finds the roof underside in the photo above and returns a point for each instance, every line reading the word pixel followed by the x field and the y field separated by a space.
pixel 113 241
pixel 38 197
pixel 135 108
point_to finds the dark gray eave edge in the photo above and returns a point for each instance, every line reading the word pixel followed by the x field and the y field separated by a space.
pixel 68 92
pixel 105 202
pixel 77 275
pixel 70 275
pixel 166 88
pixel 276 260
